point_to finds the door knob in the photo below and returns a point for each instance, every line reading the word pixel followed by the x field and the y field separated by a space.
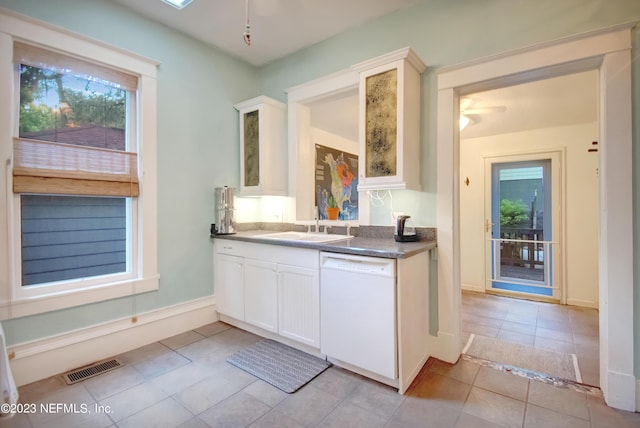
pixel 487 225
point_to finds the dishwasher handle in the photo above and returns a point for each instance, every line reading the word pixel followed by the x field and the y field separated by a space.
pixel 358 264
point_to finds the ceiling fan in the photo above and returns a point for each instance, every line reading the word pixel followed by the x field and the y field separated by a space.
pixel 470 115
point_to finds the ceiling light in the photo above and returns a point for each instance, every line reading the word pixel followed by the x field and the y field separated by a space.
pixel 178 4
pixel 464 121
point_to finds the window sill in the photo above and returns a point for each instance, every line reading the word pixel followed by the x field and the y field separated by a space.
pixel 78 297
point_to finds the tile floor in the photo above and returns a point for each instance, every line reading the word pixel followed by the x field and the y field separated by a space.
pixel 184 381
pixel 562 328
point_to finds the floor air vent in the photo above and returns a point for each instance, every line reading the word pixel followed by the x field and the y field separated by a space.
pixel 78 375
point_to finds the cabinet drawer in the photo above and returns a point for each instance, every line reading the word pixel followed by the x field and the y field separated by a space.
pixel 229 247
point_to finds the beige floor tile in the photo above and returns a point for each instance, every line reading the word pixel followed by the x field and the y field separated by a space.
pixel 212 390
pixel 180 340
pixel 268 394
pixel 563 326
pixel 239 410
pixel 529 329
pixel 183 377
pixel 36 391
pixel 585 340
pixel 132 400
pixel 515 337
pixel 480 329
pixel 194 422
pixel 463 370
pixel 338 381
pixel 166 413
pixel 561 336
pixel 441 390
pixel 275 418
pixel 495 408
pixel 160 364
pixel 539 417
pixel 417 412
pixel 110 383
pixel 143 353
pixel 602 416
pixel 469 421
pixel 503 383
pixel 561 400
pixel 590 378
pixel 482 320
pixel 309 405
pixel 586 329
pixel 379 399
pixel 522 318
pixel 213 328
pixel 554 345
pixel 350 415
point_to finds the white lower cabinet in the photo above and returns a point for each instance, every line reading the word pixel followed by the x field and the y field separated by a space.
pixel 274 288
pixel 261 294
pixel 299 304
pixel 229 270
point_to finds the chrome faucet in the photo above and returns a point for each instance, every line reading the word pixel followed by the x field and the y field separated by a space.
pixel 348 229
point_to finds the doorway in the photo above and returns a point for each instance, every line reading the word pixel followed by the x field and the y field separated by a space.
pixel 523 226
pixel 609 52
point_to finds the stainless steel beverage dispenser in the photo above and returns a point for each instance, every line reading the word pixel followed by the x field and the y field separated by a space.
pixel 225 211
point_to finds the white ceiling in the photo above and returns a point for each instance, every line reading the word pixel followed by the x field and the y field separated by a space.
pixel 560 101
pixel 278 27
pixel 281 27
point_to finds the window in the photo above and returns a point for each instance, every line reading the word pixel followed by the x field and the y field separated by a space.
pixel 83 115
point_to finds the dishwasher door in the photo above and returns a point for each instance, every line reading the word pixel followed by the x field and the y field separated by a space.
pixel 358 312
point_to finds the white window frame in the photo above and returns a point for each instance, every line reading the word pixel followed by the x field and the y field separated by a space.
pixel 16 300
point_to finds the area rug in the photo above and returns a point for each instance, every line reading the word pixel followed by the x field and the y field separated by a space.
pixel 558 364
pixel 282 366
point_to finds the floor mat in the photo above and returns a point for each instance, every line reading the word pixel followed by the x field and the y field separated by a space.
pixel 557 364
pixel 282 366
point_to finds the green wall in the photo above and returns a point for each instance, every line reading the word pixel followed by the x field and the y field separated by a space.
pixel 197 151
pixel 198 85
pixel 445 33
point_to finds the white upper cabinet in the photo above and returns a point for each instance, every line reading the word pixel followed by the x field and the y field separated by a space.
pixel 263 151
pixel 389 94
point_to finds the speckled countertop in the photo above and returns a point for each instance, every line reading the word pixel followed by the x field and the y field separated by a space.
pixel 374 241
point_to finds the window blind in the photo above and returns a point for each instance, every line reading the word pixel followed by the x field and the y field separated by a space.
pixel 65 64
pixel 57 168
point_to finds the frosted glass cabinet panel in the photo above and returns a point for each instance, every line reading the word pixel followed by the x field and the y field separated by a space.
pixel 263 156
pixel 390 121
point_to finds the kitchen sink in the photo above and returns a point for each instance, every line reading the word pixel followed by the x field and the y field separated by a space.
pixel 304 237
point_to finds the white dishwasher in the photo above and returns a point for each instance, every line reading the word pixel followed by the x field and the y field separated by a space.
pixel 358 311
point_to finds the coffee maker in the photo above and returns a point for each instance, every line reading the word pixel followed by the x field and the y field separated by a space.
pixel 225 212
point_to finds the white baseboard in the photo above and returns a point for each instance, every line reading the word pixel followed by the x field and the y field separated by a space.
pixel 46 357
pixel 621 390
pixel 472 287
pixel 583 303
pixel 445 347
pixel 637 395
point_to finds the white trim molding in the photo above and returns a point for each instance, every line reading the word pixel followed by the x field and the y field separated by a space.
pixel 608 51
pixel 16 301
pixel 57 354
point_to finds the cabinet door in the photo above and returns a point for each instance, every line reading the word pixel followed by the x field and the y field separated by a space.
pixel 263 151
pixel 261 294
pixel 299 304
pixel 229 285
pixel 250 148
pixel 390 122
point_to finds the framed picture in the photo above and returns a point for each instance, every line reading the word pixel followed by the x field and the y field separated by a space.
pixel 336 182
